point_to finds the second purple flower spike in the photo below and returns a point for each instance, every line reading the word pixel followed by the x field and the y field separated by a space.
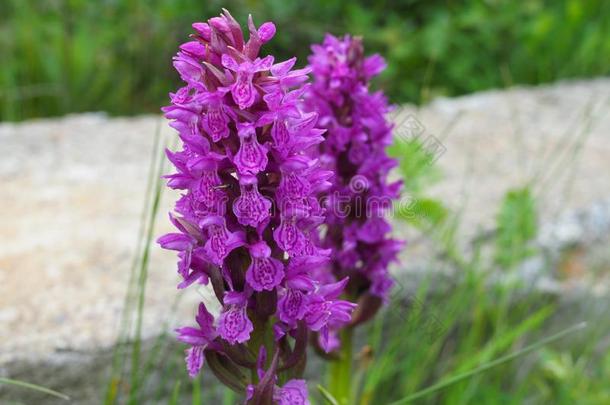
pixel 354 148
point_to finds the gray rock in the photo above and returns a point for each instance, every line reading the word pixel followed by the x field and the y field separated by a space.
pixel 556 138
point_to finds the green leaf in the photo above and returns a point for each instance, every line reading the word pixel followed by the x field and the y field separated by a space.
pixel 516 227
pixel 416 163
pixel 422 213
pixel 327 396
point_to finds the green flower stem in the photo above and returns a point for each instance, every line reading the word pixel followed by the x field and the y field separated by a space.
pixel 339 384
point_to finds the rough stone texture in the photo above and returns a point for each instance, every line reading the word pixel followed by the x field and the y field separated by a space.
pixel 72 197
pixel 556 137
pixel 73 192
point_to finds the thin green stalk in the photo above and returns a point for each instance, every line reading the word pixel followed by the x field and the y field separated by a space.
pixel 175 394
pixel 34 387
pixel 327 396
pixel 142 279
pixel 341 370
pixel 452 380
pixel 196 398
pixel 126 315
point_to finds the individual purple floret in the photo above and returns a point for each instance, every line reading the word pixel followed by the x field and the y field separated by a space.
pixel 356 138
pixel 199 338
pixel 248 217
pixel 294 392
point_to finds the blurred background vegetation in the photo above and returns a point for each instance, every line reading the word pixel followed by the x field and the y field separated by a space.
pixel 61 56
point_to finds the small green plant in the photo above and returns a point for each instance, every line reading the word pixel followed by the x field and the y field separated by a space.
pixel 516 228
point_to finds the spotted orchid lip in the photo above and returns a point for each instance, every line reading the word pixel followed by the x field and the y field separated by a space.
pixel 265 273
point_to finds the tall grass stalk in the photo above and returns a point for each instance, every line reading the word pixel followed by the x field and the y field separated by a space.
pixel 130 337
pixel 143 270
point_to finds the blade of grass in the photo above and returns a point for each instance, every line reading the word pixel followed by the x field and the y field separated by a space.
pixel 566 150
pixel 34 387
pixel 389 349
pixel 491 364
pixel 499 343
pixel 175 394
pixel 126 316
pixel 327 396
pixel 494 347
pixel 142 279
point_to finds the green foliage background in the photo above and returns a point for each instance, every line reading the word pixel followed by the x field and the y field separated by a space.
pixel 61 56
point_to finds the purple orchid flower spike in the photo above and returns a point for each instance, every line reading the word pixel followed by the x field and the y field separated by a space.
pixel 248 219
pixel 356 136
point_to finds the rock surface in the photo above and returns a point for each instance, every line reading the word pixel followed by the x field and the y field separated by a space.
pixel 73 192
pixel 555 138
pixel 72 196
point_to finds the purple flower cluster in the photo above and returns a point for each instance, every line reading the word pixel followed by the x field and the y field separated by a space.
pixel 247 220
pixel 354 149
